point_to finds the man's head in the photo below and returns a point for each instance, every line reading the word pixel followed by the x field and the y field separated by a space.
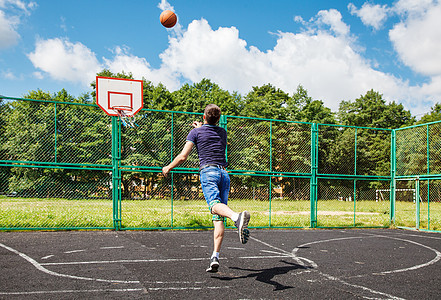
pixel 212 114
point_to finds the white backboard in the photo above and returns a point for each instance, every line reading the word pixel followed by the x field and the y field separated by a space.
pixel 124 94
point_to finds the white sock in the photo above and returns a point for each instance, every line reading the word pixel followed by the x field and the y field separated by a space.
pixel 215 254
pixel 234 217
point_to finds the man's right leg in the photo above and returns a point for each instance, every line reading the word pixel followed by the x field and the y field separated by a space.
pixel 241 221
pixel 216 186
pixel 222 210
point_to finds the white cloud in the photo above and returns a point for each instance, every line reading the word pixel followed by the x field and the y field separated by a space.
pixel 333 18
pixel 24 6
pixel 416 41
pixel 325 59
pixel 339 73
pixel 219 55
pixel 74 62
pixel 139 67
pixel 8 34
pixel 413 7
pixel 9 75
pixel 417 38
pixel 164 5
pixel 373 15
pixel 38 75
pixel 10 21
pixel 64 60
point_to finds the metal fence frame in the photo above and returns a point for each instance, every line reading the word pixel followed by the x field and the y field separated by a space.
pixel 314 174
pixel 416 178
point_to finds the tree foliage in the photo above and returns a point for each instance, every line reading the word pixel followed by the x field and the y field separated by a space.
pixel 432 116
pixel 82 135
pixel 371 110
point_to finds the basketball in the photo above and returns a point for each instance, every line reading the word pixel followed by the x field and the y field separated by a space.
pixel 168 18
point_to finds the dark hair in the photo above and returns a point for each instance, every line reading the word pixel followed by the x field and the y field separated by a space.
pixel 212 114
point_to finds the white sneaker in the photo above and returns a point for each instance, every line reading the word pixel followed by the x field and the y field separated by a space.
pixel 242 226
pixel 214 265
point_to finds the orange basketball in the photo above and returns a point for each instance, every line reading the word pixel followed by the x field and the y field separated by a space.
pixel 168 18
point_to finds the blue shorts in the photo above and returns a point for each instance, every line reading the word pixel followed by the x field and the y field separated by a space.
pixel 215 184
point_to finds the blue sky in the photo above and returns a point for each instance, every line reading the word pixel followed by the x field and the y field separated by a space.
pixel 337 50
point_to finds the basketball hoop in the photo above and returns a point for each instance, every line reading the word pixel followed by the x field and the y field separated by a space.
pixel 126 118
pixel 120 97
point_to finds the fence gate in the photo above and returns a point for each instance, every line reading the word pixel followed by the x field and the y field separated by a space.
pixel 408 203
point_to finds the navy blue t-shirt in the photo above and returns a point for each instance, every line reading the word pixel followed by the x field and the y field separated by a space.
pixel 210 142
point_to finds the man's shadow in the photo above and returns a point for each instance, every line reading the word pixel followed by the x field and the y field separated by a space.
pixel 267 275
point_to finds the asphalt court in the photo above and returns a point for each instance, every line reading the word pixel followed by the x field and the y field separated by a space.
pixel 274 264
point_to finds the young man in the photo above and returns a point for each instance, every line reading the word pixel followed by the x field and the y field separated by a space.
pixel 211 142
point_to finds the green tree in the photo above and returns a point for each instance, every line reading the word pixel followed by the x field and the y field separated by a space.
pixel 157 97
pixel 371 110
pixel 55 131
pixel 5 172
pixel 194 98
pixel 316 112
pixel 108 73
pixel 266 102
pixel 372 146
pixel 432 116
pixel 419 148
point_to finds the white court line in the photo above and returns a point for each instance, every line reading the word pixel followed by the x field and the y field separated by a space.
pixel 420 236
pixel 43 269
pixel 69 291
pixel 122 261
pixel 274 252
pixel 175 282
pixel 125 261
pixel 114 247
pixel 235 248
pixel 360 287
pixel 188 288
pixel 293 254
pixel 431 262
pixel 265 257
pixel 294 251
pixel 110 290
pixel 48 256
pixel 74 251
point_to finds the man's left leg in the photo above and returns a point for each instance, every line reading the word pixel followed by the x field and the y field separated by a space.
pixel 218 236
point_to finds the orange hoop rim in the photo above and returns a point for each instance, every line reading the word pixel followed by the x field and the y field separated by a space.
pixel 121 110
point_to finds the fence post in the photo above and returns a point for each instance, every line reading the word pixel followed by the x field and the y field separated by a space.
pixel 313 182
pixel 428 173
pixel 223 123
pixel 55 133
pixel 116 173
pixel 270 169
pixel 172 187
pixel 417 203
pixel 393 170
pixel 355 151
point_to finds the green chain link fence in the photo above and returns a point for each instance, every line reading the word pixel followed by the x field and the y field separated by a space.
pixel 418 179
pixel 70 166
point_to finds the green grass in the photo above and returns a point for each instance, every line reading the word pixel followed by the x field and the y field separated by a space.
pixel 333 213
pixel 406 215
pixel 18 213
pixel 54 213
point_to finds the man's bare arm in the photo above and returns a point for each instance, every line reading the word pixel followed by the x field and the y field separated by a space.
pixel 178 159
